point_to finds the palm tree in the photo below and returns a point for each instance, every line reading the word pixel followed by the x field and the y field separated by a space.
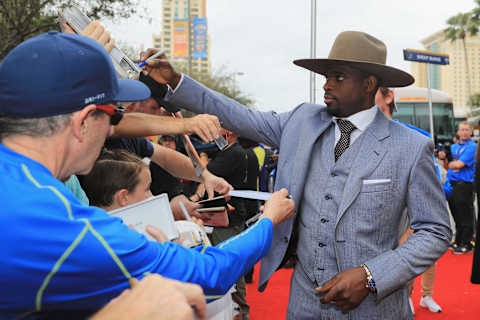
pixel 459 27
pixel 476 13
pixel 475 100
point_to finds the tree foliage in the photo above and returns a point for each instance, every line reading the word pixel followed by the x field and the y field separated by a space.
pixel 23 19
pixel 459 27
pixel 475 100
pixel 225 82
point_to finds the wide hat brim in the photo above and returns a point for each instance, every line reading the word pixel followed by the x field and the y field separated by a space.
pixel 388 76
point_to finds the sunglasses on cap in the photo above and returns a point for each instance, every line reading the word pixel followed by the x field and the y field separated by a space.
pixel 115 112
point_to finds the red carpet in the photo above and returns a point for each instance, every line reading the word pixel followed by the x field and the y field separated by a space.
pixel 459 299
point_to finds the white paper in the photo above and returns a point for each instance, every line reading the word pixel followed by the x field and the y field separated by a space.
pixel 221 309
pixel 250 194
pixel 154 211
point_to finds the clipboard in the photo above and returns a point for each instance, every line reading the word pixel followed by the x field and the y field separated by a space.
pixel 154 211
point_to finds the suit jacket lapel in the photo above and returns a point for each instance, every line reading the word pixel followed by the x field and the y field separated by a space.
pixel 307 138
pixel 372 151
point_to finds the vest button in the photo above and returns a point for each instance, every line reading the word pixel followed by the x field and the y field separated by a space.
pixel 328 197
pixel 333 174
pixel 323 220
pixel 321 244
pixel 285 239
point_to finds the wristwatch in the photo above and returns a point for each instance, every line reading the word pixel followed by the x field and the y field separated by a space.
pixel 370 284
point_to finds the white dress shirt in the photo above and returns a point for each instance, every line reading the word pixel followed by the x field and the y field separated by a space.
pixel 361 120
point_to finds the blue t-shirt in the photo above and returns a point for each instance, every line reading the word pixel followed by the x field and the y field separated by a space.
pixel 464 152
pixel 59 254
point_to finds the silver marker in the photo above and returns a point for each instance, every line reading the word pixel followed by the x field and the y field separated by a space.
pixel 156 55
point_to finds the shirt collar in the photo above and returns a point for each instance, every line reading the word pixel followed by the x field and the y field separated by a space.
pixel 466 141
pixel 361 119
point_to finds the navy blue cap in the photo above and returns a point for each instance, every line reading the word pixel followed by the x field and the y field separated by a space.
pixel 58 73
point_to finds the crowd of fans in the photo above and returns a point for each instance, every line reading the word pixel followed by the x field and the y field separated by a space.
pixel 78 257
pixel 70 138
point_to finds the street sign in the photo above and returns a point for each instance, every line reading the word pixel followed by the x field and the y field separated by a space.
pixel 428 57
pixel 425 56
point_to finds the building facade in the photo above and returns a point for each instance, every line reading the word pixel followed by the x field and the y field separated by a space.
pixel 452 78
pixel 174 35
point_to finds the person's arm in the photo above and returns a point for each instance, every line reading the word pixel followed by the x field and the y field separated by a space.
pixel 215 269
pixel 181 166
pixel 456 165
pixel 255 125
pixel 428 214
pixel 136 124
pixel 189 205
pixel 392 269
pixel 443 157
pixel 466 159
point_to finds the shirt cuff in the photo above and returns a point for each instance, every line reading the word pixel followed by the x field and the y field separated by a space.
pixel 170 91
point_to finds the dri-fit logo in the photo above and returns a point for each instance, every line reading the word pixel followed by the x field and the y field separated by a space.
pixel 91 99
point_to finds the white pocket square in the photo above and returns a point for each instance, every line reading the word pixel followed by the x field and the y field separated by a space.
pixel 376 181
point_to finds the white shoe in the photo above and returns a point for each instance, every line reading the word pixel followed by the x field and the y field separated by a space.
pixel 410 303
pixel 430 304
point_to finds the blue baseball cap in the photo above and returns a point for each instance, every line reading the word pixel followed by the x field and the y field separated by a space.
pixel 58 73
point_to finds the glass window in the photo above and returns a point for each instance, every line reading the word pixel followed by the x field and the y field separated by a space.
pixel 405 113
pixel 442 120
pixel 422 116
pixel 418 115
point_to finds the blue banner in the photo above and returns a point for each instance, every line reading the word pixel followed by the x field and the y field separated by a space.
pixel 425 57
pixel 200 38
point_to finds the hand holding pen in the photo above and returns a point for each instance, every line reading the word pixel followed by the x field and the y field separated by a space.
pixel 156 55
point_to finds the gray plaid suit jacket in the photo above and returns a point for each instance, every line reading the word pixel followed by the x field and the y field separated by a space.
pixel 413 185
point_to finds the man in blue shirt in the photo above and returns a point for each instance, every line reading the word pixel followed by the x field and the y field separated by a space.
pixel 56 95
pixel 460 173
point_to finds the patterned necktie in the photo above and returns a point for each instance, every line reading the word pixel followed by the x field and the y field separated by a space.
pixel 346 128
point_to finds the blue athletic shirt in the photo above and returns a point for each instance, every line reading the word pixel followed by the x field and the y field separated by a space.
pixel 59 254
pixel 464 152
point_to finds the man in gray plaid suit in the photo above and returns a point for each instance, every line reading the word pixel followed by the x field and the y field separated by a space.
pixel 352 172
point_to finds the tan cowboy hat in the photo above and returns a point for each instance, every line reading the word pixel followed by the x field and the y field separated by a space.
pixel 361 51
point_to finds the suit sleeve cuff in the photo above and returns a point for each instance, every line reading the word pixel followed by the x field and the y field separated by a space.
pixel 170 91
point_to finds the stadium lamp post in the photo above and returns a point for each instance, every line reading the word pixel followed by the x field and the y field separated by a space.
pixel 313 47
pixel 189 37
